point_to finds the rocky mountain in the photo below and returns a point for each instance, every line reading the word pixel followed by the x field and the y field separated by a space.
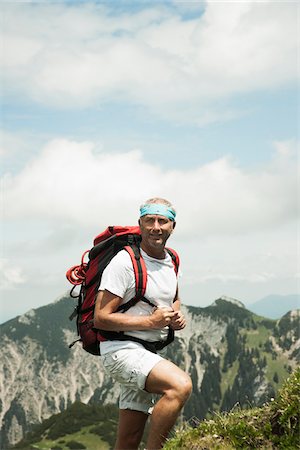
pixel 232 356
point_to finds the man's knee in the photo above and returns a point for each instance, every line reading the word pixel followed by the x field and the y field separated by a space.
pixel 167 378
pixel 184 387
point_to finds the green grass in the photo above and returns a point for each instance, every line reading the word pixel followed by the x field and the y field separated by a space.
pixel 273 426
pixel 276 365
pixel 90 426
pixel 256 337
pixel 89 440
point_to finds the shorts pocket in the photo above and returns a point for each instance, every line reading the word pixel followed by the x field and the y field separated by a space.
pixel 117 365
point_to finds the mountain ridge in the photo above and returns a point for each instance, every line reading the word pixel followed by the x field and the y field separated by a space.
pixel 217 345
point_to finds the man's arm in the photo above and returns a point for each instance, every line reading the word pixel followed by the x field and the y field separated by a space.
pixel 178 322
pixel 106 317
pixel 176 301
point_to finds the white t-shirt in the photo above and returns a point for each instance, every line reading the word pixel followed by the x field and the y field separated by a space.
pixel 118 278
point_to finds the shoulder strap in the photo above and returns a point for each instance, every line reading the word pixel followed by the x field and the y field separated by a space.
pixel 175 258
pixel 140 273
pixel 139 268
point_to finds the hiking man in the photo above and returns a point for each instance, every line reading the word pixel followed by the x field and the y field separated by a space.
pixel 142 373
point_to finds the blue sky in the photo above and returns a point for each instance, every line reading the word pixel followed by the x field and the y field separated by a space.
pixel 104 104
pixel 267 114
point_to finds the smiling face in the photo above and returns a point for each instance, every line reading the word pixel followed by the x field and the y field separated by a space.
pixel 155 231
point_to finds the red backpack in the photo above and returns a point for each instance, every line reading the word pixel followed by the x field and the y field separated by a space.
pixel 88 275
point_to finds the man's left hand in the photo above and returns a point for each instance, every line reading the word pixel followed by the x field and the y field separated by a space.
pixel 178 322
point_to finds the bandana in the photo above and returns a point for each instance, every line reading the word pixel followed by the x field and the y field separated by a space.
pixel 159 209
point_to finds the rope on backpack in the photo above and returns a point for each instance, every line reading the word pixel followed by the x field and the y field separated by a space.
pixel 76 274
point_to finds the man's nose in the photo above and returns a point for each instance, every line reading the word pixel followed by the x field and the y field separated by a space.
pixel 156 225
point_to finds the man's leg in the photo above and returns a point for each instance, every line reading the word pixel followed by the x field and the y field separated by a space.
pixel 175 387
pixel 130 429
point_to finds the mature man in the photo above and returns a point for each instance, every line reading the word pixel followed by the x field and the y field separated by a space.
pixel 142 373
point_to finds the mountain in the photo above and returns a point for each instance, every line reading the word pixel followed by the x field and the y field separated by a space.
pixel 231 354
pixel 275 306
pixel 273 425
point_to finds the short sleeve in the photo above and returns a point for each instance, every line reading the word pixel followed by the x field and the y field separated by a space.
pixel 116 277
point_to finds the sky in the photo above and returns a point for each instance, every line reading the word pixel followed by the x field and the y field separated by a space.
pixel 106 104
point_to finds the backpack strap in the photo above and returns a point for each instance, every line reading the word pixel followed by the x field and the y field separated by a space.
pixel 139 268
pixel 175 258
pixel 140 274
pixel 176 261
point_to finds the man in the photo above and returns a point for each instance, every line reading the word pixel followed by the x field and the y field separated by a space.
pixel 141 372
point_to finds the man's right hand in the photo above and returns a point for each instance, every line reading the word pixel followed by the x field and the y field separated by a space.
pixel 161 317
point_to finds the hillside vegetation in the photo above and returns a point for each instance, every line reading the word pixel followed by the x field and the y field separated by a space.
pixel 275 425
pixel 80 426
pixel 231 354
pixel 247 365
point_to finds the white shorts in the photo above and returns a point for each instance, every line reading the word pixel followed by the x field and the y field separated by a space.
pixel 130 367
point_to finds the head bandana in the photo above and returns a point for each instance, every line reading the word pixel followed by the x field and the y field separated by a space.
pixel 158 209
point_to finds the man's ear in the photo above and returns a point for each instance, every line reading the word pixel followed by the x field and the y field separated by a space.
pixel 174 225
pixel 139 222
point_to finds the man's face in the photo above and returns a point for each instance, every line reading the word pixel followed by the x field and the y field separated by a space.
pixel 155 230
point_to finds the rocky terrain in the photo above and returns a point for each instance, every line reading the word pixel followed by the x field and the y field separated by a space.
pixel 232 355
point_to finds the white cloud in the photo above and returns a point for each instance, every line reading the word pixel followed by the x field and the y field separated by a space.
pixel 236 229
pixel 11 275
pixel 70 182
pixel 81 54
pixel 260 277
pixel 284 150
pixel 18 51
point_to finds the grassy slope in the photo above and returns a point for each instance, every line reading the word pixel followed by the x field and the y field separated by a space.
pixel 92 426
pixel 275 425
pixel 84 436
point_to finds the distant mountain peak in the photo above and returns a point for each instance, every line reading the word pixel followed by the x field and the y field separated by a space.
pixel 275 306
pixel 230 300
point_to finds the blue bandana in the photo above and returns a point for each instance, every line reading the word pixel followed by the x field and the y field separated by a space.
pixel 158 209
